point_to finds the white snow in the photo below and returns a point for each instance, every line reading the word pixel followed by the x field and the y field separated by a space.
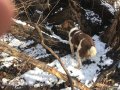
pixel 88 74
pixel 117 4
pixel 54 35
pixel 17 81
pixel 23 23
pixel 119 87
pixel 36 51
pixel 19 22
pixel 5 81
pixel 119 65
pixel 109 7
pixel 37 77
pixel 68 88
pixel 4 54
pixel 59 38
pixel 60 9
pixel 94 18
pixel 7 61
pixel 40 12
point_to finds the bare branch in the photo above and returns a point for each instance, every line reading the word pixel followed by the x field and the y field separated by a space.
pixel 54 54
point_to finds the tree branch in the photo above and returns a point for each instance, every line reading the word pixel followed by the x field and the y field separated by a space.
pixel 54 54
pixel 12 51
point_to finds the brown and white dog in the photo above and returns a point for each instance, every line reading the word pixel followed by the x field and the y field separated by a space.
pixel 83 43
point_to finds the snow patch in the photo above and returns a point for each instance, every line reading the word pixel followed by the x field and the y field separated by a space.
pixel 54 35
pixel 19 22
pixel 88 74
pixel 40 76
pixel 59 38
pixel 94 18
pixel 110 7
pixel 36 51
pixel 117 5
pixel 18 81
pixel 5 81
pixel 40 12
pixel 7 61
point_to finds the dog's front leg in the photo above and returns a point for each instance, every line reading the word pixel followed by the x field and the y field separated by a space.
pixel 79 65
pixel 78 54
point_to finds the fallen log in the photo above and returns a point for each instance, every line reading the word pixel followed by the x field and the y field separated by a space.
pixel 104 79
pixel 14 52
pixel 26 32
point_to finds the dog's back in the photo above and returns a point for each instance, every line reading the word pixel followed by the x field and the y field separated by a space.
pixel 82 42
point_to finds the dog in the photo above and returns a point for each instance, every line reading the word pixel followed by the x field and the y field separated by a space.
pixel 83 43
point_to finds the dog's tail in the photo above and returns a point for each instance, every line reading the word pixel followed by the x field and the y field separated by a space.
pixel 92 51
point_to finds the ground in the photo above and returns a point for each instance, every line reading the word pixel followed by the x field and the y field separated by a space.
pixel 37 77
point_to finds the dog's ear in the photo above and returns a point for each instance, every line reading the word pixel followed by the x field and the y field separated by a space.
pixel 6 14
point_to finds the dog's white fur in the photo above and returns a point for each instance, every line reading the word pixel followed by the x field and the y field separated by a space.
pixel 78 56
pixel 92 51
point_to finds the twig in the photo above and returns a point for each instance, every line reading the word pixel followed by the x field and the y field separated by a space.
pixel 50 11
pixel 54 54
pixel 12 51
pixel 102 86
pixel 25 10
pixel 48 5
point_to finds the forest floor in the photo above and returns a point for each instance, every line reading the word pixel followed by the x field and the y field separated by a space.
pixel 16 74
